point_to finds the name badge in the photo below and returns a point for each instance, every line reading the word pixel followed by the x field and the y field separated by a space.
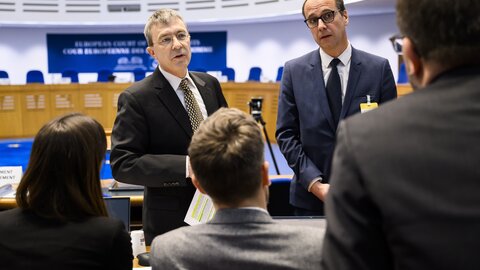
pixel 365 107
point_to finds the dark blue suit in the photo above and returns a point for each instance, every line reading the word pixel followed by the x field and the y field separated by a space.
pixel 305 127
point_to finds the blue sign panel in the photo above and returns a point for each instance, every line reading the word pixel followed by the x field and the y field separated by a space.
pixel 126 52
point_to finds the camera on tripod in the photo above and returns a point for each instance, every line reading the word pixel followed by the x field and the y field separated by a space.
pixel 256 112
pixel 256 107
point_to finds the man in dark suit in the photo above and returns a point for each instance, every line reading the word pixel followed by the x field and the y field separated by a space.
pixel 405 194
pixel 314 97
pixel 227 159
pixel 155 121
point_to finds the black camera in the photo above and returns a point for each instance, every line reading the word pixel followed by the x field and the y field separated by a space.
pixel 256 107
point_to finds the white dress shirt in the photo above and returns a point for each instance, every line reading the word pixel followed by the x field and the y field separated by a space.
pixel 343 67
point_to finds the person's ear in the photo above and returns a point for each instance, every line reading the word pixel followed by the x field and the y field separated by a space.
pixel 265 176
pixel 197 184
pixel 345 17
pixel 150 51
pixel 411 58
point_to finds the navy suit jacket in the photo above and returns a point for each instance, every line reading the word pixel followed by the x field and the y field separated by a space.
pixel 150 139
pixel 305 128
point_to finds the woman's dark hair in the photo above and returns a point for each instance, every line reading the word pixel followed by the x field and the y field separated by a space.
pixel 62 180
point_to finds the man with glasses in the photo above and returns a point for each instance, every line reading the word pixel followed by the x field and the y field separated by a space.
pixel 405 194
pixel 318 90
pixel 155 121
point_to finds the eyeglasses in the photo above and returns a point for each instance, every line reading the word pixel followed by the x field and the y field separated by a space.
pixel 397 43
pixel 167 40
pixel 326 17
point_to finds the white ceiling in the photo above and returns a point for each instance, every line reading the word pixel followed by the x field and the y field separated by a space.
pixel 279 10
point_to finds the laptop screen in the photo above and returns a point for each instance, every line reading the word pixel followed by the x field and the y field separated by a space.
pixel 119 208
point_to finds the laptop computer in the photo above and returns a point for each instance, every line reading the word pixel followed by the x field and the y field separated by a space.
pixel 119 208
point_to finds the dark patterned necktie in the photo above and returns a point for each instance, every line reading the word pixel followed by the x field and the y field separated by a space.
pixel 334 91
pixel 191 104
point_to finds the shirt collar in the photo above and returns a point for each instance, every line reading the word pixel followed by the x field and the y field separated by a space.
pixel 254 208
pixel 174 80
pixel 345 57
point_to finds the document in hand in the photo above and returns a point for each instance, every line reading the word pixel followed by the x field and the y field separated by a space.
pixel 200 210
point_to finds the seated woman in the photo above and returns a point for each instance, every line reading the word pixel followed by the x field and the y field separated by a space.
pixel 62 222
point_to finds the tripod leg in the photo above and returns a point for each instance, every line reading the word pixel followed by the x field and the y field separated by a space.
pixel 270 148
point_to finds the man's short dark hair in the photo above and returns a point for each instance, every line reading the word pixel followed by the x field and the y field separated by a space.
pixel 444 31
pixel 226 155
pixel 339 3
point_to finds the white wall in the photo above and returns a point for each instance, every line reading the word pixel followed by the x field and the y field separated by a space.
pixel 267 45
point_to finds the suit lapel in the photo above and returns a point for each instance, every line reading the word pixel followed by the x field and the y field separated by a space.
pixel 353 77
pixel 319 86
pixel 170 100
pixel 207 94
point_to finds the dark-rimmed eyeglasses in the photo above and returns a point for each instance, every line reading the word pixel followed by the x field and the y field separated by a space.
pixel 397 43
pixel 326 17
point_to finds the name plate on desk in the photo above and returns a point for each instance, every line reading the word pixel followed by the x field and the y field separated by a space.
pixel 10 175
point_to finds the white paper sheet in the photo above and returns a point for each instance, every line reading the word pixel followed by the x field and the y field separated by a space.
pixel 200 210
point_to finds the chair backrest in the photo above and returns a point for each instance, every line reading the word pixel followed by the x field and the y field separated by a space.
pixel 72 74
pixel 3 74
pixel 138 74
pixel 104 75
pixel 35 76
pixel 278 203
pixel 402 74
pixel 279 74
pixel 254 74
pixel 229 72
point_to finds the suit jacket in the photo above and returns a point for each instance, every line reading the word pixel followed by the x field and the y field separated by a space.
pixel 405 194
pixel 28 241
pixel 305 128
pixel 238 239
pixel 150 138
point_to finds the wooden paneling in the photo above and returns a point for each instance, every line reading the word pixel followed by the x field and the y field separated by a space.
pixel 25 108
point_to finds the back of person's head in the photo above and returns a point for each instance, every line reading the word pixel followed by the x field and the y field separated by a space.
pixel 226 155
pixel 443 31
pixel 161 16
pixel 62 180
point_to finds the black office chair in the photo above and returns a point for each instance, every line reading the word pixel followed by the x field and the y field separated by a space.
pixel 138 74
pixel 279 74
pixel 229 72
pixel 254 74
pixel 35 76
pixel 72 74
pixel 278 203
pixel 105 75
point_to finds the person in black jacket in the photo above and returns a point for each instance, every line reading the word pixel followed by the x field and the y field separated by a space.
pixel 61 221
